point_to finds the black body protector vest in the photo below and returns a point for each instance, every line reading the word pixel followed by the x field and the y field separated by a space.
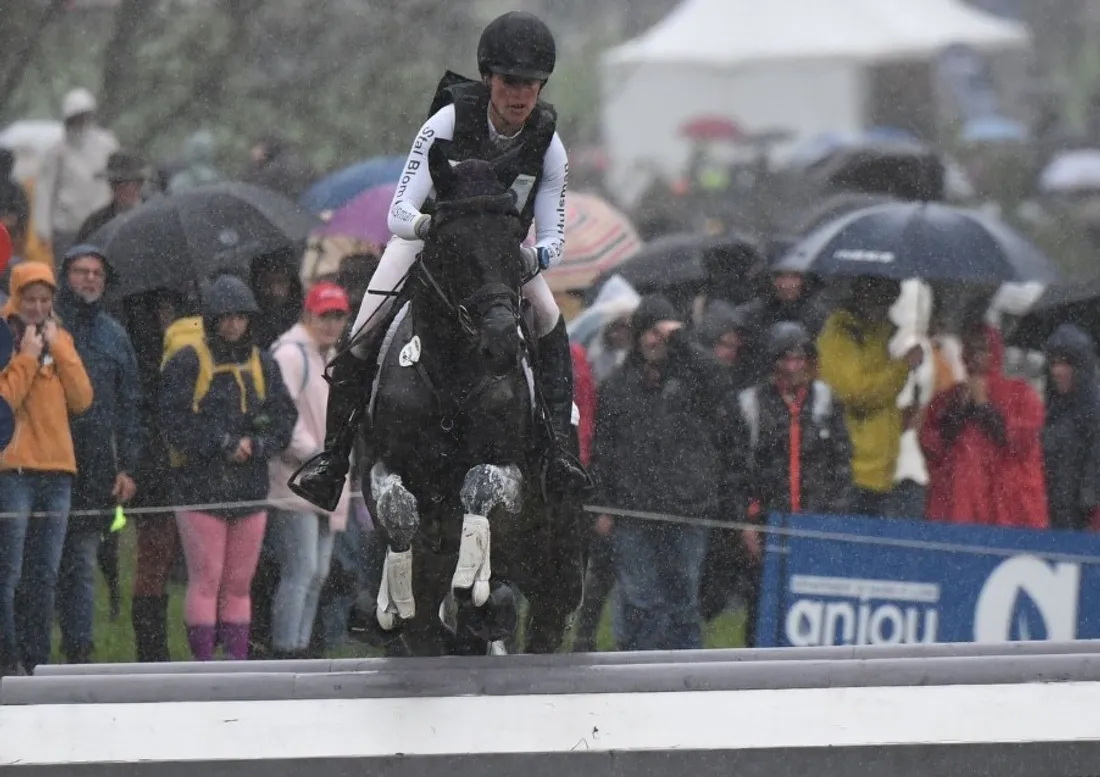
pixel 472 141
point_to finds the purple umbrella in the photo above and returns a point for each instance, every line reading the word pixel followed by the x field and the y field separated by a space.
pixel 364 217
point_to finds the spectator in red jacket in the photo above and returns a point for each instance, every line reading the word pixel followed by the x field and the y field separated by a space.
pixel 982 443
pixel 584 396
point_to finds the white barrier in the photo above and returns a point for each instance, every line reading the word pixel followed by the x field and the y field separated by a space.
pixel 717 732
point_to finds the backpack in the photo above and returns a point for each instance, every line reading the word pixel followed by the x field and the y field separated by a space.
pixel 188 333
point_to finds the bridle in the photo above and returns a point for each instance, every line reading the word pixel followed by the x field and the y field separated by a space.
pixel 465 313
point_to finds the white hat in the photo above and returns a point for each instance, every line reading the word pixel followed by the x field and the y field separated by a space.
pixel 76 102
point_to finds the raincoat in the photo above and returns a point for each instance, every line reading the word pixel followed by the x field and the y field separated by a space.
pixel 854 361
pixel 985 464
pixel 43 393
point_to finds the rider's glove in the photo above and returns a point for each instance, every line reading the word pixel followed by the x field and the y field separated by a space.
pixel 530 261
pixel 421 226
pixel 535 259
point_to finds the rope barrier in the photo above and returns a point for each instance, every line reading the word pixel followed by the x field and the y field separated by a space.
pixel 703 523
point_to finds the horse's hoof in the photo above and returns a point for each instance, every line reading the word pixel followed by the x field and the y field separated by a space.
pixel 364 626
pixel 495 620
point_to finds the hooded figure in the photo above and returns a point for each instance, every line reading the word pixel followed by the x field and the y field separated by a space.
pixel 226 412
pixel 725 332
pixel 44 383
pixel 1071 434
pixel 981 441
pixel 198 158
pixel 108 440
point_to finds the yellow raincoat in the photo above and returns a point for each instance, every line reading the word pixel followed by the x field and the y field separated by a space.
pixel 854 361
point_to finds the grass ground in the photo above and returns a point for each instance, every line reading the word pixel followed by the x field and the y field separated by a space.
pixel 115 641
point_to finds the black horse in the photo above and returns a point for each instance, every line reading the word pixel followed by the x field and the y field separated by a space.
pixel 457 424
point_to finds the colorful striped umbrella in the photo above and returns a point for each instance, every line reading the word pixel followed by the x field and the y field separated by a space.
pixel 597 238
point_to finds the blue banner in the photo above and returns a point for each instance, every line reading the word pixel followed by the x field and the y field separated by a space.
pixel 865 581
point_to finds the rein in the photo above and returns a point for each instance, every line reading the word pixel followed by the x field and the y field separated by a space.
pixel 448 406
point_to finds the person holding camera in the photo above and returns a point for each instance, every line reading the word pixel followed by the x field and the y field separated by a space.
pixel 225 413
pixel 44 383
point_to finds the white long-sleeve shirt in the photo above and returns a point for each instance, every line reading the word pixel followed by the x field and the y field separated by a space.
pixel 416 185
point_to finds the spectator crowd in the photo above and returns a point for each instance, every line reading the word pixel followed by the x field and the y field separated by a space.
pixel 785 403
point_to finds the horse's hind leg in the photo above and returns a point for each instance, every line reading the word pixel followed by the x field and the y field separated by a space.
pixel 400 518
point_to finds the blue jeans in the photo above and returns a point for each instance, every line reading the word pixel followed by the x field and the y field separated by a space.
pixel 303 546
pixel 76 594
pixel 30 554
pixel 657 568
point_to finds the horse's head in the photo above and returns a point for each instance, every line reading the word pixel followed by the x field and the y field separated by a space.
pixel 472 255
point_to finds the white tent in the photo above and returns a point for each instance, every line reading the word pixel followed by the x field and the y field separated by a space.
pixel 798 65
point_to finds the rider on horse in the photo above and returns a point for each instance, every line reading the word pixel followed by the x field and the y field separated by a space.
pixel 479 120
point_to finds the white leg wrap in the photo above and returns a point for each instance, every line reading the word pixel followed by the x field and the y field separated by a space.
pixel 395 594
pixel 497 648
pixel 473 569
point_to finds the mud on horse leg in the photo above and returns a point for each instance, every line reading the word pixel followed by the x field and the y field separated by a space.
pixel 486 486
pixel 400 518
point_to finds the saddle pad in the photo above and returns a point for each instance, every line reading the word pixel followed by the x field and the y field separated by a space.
pixel 400 349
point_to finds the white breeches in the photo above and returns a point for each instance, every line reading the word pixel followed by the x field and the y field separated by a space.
pixel 398 258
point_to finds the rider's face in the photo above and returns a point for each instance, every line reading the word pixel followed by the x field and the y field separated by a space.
pixel 513 98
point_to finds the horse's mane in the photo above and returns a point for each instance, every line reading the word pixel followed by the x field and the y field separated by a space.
pixel 477 190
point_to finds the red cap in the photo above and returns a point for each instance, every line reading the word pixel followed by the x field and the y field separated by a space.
pixel 327 297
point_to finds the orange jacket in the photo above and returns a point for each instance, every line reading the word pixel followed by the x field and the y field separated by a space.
pixel 42 396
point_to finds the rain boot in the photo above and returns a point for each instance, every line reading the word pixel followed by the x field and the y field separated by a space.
pixel 563 472
pixel 320 480
pixel 150 618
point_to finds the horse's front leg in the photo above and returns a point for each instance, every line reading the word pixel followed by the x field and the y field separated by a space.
pixel 486 487
pixel 400 518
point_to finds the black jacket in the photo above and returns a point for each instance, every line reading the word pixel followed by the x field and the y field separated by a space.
pixel 1071 433
pixel 661 445
pixel 823 458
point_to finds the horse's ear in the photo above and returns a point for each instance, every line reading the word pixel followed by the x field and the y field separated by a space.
pixel 439 165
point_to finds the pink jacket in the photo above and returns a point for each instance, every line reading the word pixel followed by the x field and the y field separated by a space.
pixel 303 367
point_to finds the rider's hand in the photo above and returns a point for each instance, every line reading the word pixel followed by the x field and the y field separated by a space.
pixel 422 226
pixel 531 264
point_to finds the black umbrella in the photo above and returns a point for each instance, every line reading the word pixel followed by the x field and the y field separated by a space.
pixel 920 240
pixel 175 242
pixel 685 264
pixel 1060 304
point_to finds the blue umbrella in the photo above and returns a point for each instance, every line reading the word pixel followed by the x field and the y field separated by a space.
pixel 336 190
pixel 920 240
pixel 993 129
pixel 819 147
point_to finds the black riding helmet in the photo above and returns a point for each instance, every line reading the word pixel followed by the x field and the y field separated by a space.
pixel 517 44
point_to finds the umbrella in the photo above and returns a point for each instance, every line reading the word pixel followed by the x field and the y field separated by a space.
pixel 920 240
pixel 176 241
pixel 713 128
pixel 364 218
pixel 685 264
pixel 597 238
pixel 336 190
pixel 1077 304
pixel 1072 171
pixel 993 129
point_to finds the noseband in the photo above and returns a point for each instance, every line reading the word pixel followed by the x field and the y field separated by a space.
pixel 470 309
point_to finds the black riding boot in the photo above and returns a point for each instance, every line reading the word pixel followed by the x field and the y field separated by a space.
pixel 321 479
pixel 564 471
